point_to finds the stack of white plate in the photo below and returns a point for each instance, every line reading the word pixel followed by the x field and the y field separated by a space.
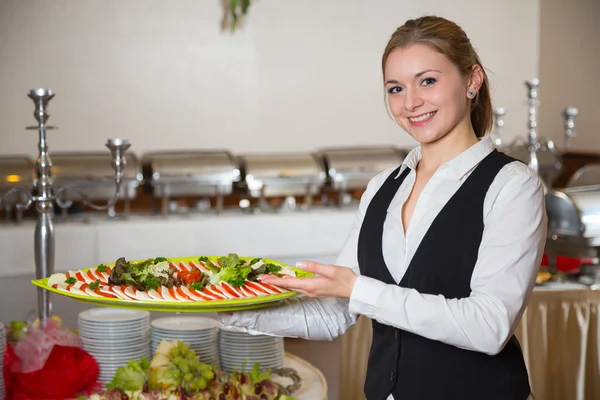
pixel 2 351
pixel 238 348
pixel 114 337
pixel 200 333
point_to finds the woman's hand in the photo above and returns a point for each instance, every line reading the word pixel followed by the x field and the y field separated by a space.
pixel 333 281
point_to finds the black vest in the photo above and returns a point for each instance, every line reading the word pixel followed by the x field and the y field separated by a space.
pixel 410 366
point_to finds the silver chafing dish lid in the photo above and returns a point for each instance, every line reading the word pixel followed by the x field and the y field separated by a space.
pixel 575 211
pixel 353 167
pixel 210 166
pixel 282 174
pixel 92 166
pixel 588 175
pixel 16 171
pixel 283 167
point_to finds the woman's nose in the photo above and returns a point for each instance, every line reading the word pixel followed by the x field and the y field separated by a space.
pixel 413 100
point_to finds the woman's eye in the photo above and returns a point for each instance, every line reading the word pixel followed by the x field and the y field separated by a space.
pixel 428 81
pixel 394 89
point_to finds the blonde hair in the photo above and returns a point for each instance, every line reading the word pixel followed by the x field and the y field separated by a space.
pixel 447 38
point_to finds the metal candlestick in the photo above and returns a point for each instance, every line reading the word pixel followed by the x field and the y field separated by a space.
pixel 498 125
pixel 43 194
pixel 569 115
pixel 534 145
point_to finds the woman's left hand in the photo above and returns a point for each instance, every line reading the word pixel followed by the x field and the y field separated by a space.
pixel 333 281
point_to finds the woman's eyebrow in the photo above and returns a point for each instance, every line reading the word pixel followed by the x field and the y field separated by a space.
pixel 395 82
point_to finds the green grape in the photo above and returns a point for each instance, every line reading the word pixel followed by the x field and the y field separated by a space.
pixel 208 374
pixel 200 383
pixel 174 352
pixel 194 364
pixel 177 360
pixel 184 367
pixel 188 377
pixel 176 374
pixel 205 367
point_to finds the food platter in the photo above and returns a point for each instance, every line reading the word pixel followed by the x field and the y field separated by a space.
pixel 210 289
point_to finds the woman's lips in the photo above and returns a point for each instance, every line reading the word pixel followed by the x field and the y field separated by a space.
pixel 422 119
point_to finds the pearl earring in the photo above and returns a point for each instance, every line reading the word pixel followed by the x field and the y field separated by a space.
pixel 471 94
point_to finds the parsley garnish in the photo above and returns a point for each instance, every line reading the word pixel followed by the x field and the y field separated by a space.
pixel 101 268
pixel 95 285
pixel 159 259
pixel 151 282
pixel 197 286
pixel 71 280
pixel 272 269
pixel 203 259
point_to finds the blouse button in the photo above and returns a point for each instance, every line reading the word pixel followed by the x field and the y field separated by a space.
pixel 396 335
pixel 392 376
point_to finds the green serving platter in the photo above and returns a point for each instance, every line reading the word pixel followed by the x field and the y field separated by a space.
pixel 181 306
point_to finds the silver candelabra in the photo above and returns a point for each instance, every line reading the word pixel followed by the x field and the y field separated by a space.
pixel 44 195
pixel 538 152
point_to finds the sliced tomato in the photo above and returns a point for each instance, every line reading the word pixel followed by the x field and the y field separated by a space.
pixel 103 294
pixel 229 289
pixel 256 288
pixel 200 294
pixel 182 294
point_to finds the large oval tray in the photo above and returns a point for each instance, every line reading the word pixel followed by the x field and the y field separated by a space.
pixel 181 306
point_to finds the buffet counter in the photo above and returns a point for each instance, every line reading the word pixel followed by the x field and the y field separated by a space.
pixel 559 330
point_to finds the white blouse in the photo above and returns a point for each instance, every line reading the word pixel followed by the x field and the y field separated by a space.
pixel 508 260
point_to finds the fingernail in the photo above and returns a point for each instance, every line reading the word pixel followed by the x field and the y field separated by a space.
pixel 301 264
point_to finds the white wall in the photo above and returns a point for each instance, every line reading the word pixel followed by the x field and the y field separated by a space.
pixel 299 75
pixel 569 60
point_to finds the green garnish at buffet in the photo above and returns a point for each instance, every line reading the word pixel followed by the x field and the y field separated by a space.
pixel 176 373
pixel 101 268
pixel 144 275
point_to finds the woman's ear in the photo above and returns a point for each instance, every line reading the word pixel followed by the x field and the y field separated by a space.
pixel 475 81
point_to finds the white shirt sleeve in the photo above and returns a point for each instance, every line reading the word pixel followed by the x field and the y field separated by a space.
pixel 302 317
pixel 509 257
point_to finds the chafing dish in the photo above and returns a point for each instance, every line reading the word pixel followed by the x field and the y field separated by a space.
pixel 351 168
pixel 93 175
pixel 15 171
pixel 191 173
pixel 573 223
pixel 282 175
pixel 588 175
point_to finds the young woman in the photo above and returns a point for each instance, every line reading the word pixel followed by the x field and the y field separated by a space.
pixel 445 248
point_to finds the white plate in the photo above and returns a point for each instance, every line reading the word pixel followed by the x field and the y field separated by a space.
pixel 115 341
pixel 114 350
pixel 113 335
pixel 182 337
pixel 185 323
pixel 119 360
pixel 120 324
pixel 113 315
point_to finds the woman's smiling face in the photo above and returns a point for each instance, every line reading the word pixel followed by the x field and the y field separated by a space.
pixel 427 95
